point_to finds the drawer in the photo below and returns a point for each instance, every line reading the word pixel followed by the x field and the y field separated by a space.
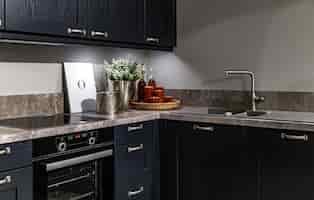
pixel 17 184
pixel 134 159
pixel 207 132
pixel 134 133
pixel 134 188
pixel 15 155
pixel 140 188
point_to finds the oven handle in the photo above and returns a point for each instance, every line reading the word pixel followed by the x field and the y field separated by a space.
pixel 77 160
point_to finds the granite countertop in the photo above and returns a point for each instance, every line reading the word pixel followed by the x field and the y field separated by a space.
pixel 302 121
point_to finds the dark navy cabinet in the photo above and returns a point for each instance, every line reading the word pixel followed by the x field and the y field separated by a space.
pixel 160 22
pixel 2 14
pixel 99 19
pixel 17 184
pixel 287 164
pixel 134 161
pixel 16 173
pixel 127 21
pixel 54 17
pixel 206 161
pixel 138 23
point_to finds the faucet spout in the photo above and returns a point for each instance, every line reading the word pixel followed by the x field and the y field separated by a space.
pixel 254 98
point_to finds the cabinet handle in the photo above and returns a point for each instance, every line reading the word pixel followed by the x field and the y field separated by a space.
pixel 151 39
pixel 0 22
pixel 97 33
pixel 134 193
pixel 203 128
pixel 6 180
pixel 5 151
pixel 137 148
pixel 135 128
pixel 77 31
pixel 294 137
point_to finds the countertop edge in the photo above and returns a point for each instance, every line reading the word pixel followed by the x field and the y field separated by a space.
pixel 22 135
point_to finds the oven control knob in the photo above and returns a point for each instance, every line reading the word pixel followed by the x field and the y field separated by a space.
pixel 92 140
pixel 62 146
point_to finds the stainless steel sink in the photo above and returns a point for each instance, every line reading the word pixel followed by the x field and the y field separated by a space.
pixel 224 111
pixel 255 113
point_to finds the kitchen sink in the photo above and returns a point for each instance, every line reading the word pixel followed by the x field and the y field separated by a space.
pixel 255 113
pixel 224 111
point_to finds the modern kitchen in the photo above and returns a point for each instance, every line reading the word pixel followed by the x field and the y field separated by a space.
pixel 156 100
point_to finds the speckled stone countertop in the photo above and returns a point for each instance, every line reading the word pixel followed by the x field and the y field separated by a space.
pixel 301 121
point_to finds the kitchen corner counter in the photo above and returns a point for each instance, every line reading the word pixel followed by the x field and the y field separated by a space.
pixel 288 120
pixel 301 121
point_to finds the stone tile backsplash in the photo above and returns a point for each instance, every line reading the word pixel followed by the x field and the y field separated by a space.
pixel 287 101
pixel 27 105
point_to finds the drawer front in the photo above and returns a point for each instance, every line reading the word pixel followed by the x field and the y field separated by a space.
pixel 138 187
pixel 133 133
pixel 209 132
pixel 16 184
pixel 15 155
pixel 136 159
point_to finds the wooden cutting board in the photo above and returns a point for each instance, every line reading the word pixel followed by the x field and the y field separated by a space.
pixel 156 106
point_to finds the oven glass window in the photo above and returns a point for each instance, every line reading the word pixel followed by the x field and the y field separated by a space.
pixel 73 183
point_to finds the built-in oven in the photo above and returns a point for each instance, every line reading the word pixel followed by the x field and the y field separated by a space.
pixel 76 166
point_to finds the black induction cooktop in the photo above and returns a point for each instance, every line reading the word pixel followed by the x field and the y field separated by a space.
pixel 44 121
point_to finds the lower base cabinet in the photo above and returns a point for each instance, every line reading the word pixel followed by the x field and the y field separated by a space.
pixel 16 184
pixel 212 162
pixel 134 161
pixel 287 164
pixel 205 161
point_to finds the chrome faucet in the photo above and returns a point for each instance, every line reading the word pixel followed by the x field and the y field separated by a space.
pixel 254 98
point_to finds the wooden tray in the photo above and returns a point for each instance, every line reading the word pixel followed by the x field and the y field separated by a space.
pixel 156 106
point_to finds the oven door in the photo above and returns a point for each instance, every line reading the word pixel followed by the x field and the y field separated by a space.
pixel 83 176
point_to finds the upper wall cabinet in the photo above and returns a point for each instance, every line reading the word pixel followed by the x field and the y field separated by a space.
pixel 1 14
pixel 137 23
pixel 54 17
pixel 160 22
pixel 127 22
pixel 98 19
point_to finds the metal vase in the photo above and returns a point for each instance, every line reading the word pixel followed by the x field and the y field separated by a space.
pixel 108 103
pixel 128 92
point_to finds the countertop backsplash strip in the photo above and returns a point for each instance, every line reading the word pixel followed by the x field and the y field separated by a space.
pixel 15 106
pixel 274 100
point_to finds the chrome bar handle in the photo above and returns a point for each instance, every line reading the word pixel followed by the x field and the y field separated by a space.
pixel 6 180
pixel 134 193
pixel 294 137
pixel 135 128
pixel 151 39
pixel 77 31
pixel 203 128
pixel 97 33
pixel 1 22
pixel 5 151
pixel 137 148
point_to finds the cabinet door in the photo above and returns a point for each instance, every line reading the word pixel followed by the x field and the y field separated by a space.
pixel 55 17
pixel 215 163
pixel 169 160
pixel 16 185
pixel 98 19
pixel 127 20
pixel 160 22
pixel 287 165
pixel 1 14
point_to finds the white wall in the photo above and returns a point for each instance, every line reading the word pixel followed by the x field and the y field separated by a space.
pixel 30 78
pixel 274 39
pixel 39 71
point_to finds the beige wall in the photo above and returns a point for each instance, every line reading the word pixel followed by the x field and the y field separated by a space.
pixel 274 39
